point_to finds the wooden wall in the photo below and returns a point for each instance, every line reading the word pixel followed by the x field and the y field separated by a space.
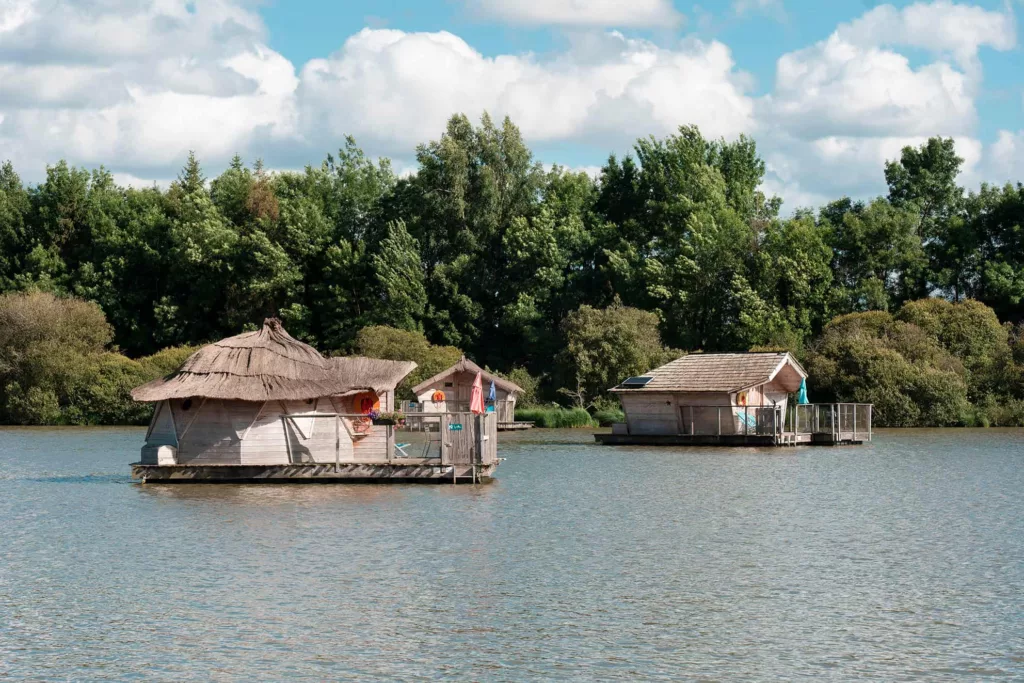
pixel 648 413
pixel 248 433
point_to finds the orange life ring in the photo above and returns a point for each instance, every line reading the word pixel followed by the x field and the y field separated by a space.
pixel 741 398
pixel 367 402
pixel 438 396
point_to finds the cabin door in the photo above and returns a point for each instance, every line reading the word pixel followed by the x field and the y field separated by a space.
pixel 465 395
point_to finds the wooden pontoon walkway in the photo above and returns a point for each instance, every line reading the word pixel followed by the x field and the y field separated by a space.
pixel 827 424
pixel 406 470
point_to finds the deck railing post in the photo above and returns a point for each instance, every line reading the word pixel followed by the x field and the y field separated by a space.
pixel 854 421
pixel 719 409
pixel 871 410
pixel 692 433
pixel 746 421
pixel 444 438
pixel 337 443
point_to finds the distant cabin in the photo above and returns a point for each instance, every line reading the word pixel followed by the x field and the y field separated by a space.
pixel 451 390
pixel 730 399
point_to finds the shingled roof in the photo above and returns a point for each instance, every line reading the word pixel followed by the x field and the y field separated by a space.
pixel 715 372
pixel 466 365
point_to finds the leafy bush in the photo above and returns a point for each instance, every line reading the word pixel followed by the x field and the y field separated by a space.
pixel 166 362
pixel 555 418
pixel 906 374
pixel 389 343
pixel 529 384
pixel 609 416
pixel 54 368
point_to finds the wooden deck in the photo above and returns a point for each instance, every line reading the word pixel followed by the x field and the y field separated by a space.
pixel 785 439
pixel 410 470
pixel 830 424
pixel 514 426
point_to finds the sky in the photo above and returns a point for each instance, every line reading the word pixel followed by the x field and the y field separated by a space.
pixel 829 90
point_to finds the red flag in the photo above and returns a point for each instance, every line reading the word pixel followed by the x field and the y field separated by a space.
pixel 476 399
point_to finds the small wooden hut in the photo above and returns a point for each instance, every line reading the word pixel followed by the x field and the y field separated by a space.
pixel 450 391
pixel 730 399
pixel 263 405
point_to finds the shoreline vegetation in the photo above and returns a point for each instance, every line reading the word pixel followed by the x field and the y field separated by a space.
pixel 562 282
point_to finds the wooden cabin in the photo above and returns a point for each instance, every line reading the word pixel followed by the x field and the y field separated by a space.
pixel 450 391
pixel 264 406
pixel 730 399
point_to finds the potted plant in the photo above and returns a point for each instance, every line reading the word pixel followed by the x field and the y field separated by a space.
pixel 389 419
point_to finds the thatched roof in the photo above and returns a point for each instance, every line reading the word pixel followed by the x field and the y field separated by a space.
pixel 717 372
pixel 267 365
pixel 466 365
pixel 370 373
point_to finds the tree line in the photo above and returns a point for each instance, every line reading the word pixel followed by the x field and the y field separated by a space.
pixel 563 281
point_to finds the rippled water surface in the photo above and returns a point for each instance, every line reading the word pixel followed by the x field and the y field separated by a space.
pixel 902 560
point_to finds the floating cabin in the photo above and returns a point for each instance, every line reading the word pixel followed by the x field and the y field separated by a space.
pixel 262 406
pixel 449 391
pixel 731 399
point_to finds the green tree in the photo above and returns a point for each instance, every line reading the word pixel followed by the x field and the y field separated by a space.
pixel 605 346
pixel 473 183
pixel 401 298
pixel 924 181
pixel 877 255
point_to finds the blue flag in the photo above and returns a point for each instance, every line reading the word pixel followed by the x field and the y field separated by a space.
pixel 801 396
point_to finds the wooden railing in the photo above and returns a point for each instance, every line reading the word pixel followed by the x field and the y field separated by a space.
pixel 725 420
pixel 505 410
pixel 841 421
pixel 461 438
pixel 452 438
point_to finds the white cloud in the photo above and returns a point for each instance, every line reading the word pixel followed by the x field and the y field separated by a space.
pixel 397 89
pixel 602 13
pixel 836 87
pixel 806 173
pixel 1005 158
pixel 744 7
pixel 136 84
pixel 941 27
pixel 131 180
pixel 842 107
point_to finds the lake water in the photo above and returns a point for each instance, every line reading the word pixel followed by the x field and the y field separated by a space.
pixel 900 560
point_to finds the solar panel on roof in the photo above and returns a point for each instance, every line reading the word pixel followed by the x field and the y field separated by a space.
pixel 637 381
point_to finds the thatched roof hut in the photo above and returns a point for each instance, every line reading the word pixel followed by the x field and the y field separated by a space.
pixel 255 398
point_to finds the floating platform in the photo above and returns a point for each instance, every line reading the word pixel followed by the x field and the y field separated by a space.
pixel 405 471
pixel 845 439
pixel 514 426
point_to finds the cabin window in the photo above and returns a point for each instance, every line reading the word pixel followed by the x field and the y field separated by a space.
pixel 186 404
pixel 448 385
